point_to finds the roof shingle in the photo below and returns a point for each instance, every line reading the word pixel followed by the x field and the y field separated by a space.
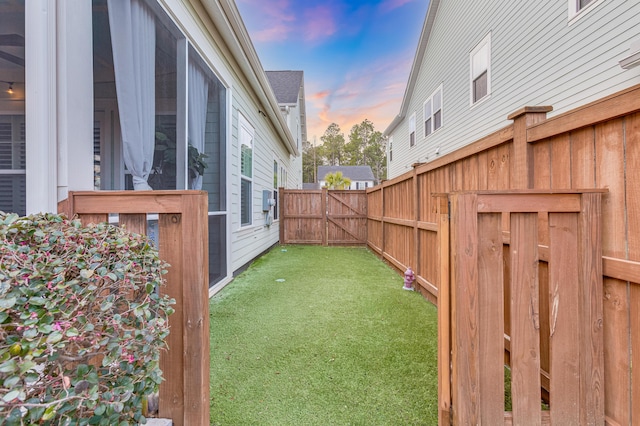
pixel 355 173
pixel 286 85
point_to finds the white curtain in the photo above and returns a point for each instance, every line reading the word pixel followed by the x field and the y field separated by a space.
pixel 133 42
pixel 198 100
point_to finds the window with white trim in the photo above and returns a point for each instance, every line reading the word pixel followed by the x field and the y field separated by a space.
pixel 433 112
pixel 390 148
pixel 412 129
pixel 480 59
pixel 246 134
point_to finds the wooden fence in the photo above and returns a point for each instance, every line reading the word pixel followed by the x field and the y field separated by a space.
pixel 182 239
pixel 594 146
pixel 473 318
pixel 327 217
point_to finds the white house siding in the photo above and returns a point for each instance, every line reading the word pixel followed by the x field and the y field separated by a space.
pixel 538 58
pixel 247 242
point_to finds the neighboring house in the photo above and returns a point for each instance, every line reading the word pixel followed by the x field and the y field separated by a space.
pixel 311 186
pixel 117 94
pixel 478 62
pixel 361 176
pixel 288 86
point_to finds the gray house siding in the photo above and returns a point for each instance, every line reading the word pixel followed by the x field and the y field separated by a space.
pixel 538 57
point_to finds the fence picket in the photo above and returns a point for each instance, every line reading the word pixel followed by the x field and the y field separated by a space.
pixel 464 310
pixel 491 318
pixel 564 357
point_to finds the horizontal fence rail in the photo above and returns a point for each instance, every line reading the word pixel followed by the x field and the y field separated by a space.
pixel 182 230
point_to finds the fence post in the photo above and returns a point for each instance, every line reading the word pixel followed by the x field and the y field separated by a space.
pixel 521 175
pixel 416 232
pixel 283 219
pixel 195 290
pixel 444 314
pixel 325 221
pixel 382 221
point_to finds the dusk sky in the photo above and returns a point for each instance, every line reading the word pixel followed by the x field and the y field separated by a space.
pixel 356 55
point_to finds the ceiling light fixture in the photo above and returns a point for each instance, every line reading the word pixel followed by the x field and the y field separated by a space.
pixel 10 89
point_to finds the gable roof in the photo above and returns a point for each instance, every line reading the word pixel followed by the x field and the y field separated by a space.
pixel 355 173
pixel 286 85
pixel 415 67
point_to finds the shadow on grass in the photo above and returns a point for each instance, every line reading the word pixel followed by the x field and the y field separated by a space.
pixel 313 335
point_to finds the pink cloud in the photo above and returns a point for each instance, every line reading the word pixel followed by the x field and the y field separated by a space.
pixel 273 33
pixel 348 114
pixel 374 94
pixel 276 19
pixel 320 22
pixel 319 95
pixel 280 20
pixel 389 5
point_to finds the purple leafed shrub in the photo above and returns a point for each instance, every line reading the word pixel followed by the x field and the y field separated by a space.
pixel 81 322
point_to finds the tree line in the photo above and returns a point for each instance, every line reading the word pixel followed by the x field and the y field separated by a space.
pixel 366 147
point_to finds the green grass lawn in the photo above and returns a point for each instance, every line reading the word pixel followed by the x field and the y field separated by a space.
pixel 313 335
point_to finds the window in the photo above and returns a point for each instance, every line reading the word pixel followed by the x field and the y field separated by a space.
pixel 13 188
pixel 275 189
pixel 283 177
pixel 12 164
pixel 390 148
pixel 206 97
pixel 433 112
pixel 577 6
pixel 246 170
pixel 428 117
pixel 412 129
pixel 481 70
pixel 180 112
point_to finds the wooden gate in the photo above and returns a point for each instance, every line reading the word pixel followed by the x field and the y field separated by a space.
pixel 327 217
pixel 476 274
